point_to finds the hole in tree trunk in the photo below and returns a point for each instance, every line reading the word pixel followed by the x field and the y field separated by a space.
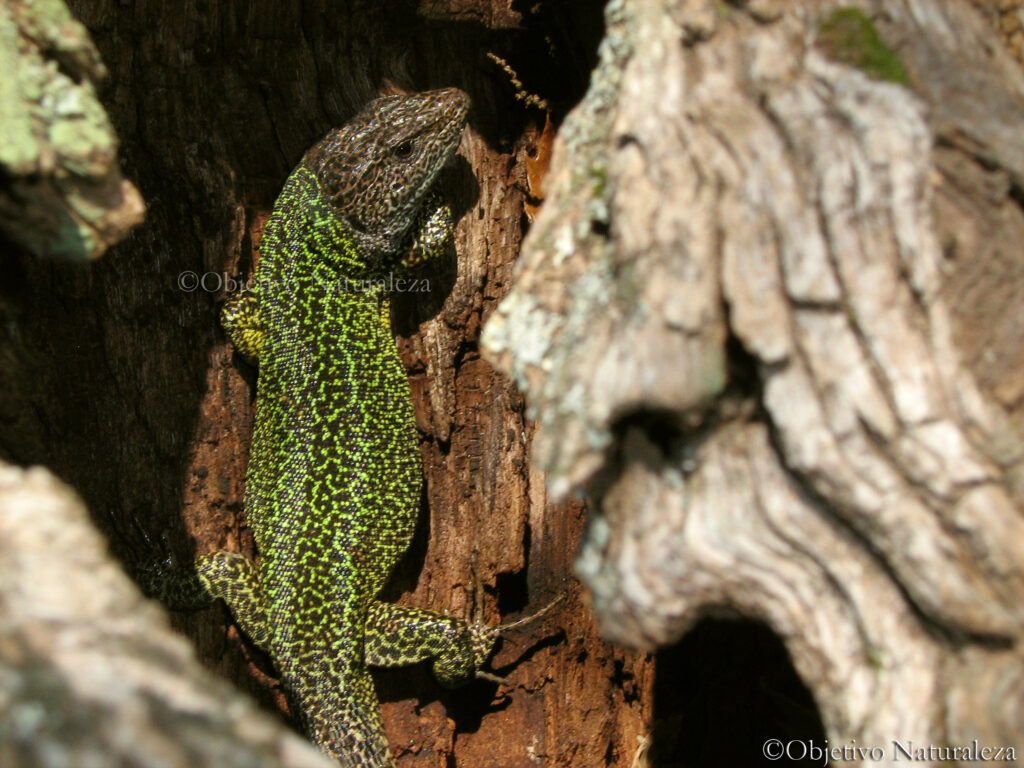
pixel 723 691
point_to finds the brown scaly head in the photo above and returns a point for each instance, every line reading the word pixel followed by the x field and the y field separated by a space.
pixel 377 170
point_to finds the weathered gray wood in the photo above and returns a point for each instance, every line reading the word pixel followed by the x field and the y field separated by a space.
pixel 90 672
pixel 732 320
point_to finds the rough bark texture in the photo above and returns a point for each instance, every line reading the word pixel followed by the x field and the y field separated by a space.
pixel 90 674
pixel 122 383
pixel 762 320
pixel 768 318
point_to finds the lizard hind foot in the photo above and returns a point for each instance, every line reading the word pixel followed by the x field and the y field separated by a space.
pixel 532 617
pixel 484 637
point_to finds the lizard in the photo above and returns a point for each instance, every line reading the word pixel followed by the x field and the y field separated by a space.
pixel 334 476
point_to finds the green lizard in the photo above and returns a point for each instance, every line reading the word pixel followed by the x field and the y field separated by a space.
pixel 334 477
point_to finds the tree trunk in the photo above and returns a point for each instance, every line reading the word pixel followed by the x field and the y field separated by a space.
pixel 763 320
pixel 760 322
pixel 130 392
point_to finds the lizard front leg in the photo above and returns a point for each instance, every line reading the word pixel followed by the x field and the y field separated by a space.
pixel 430 233
pixel 240 318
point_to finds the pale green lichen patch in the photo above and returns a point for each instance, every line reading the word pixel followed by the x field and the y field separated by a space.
pixel 51 27
pixel 46 112
pixel 18 150
pixel 78 128
pixel 65 197
pixel 849 36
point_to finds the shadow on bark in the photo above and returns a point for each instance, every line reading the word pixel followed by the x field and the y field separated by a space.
pixel 724 690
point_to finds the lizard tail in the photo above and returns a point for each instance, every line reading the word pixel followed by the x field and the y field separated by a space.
pixel 345 721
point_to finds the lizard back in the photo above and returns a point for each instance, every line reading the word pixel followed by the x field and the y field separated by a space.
pixel 334 476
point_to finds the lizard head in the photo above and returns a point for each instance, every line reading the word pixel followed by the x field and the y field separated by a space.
pixel 377 170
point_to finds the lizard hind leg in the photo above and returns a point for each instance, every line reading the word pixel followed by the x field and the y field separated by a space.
pixel 399 635
pixel 232 577
pixel 240 318
pixel 228 576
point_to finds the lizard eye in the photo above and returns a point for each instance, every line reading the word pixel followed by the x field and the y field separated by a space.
pixel 404 150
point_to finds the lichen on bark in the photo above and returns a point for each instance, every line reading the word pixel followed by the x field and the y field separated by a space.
pixel 64 196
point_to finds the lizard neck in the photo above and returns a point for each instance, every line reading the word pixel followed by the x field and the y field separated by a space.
pixel 307 244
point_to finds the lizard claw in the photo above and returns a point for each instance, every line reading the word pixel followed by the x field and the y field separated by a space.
pixel 483 636
pixel 152 573
pixel 475 617
pixel 532 617
pixel 481 675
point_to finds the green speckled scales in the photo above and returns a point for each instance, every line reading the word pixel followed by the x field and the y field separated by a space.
pixel 334 479
pixel 334 475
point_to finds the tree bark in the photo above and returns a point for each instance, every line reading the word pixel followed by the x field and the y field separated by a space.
pixel 129 391
pixel 63 195
pixel 755 318
pixel 760 322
